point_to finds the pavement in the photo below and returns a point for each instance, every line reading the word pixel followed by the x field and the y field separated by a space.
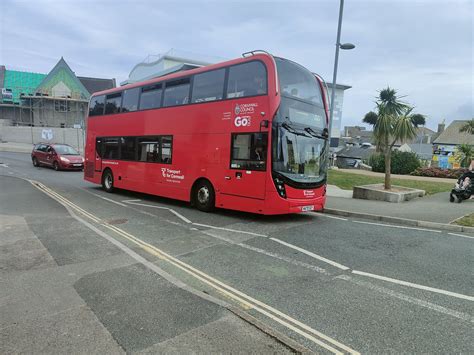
pixel 434 208
pixel 397 176
pixel 129 272
pixel 67 290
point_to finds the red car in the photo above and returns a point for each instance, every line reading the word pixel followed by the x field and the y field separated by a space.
pixel 57 156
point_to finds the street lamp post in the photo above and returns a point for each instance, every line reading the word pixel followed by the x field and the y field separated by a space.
pixel 344 46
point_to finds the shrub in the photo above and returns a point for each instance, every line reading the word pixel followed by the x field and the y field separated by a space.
pixel 402 162
pixel 439 172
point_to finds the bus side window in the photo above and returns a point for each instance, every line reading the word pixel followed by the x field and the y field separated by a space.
pixel 110 148
pixel 96 107
pixel 177 92
pixel 166 149
pixel 249 151
pixel 113 103
pixel 150 97
pixel 130 100
pixel 208 86
pixel 248 79
pixel 149 149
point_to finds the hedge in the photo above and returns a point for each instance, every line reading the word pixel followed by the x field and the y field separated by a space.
pixel 439 172
pixel 402 162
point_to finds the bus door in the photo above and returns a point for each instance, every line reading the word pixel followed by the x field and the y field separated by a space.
pixel 246 174
pixel 98 154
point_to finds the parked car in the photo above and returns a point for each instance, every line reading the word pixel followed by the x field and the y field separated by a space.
pixel 57 156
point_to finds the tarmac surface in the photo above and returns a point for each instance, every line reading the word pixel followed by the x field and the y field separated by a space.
pixel 128 272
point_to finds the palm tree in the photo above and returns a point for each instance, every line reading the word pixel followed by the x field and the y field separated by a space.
pixel 392 122
pixel 464 154
pixel 468 127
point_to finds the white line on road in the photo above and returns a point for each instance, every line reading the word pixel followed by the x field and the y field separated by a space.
pixel 461 235
pixel 237 295
pixel 409 299
pixel 401 227
pixel 410 284
pixel 231 230
pixel 125 201
pixel 304 251
pixel 131 202
pixel 284 258
pixel 332 217
pixel 106 199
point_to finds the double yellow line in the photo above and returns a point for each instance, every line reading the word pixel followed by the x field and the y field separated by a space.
pixel 248 302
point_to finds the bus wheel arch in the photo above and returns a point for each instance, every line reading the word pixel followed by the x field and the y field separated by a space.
pixel 108 180
pixel 203 195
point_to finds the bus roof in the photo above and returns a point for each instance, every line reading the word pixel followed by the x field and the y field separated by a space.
pixel 185 73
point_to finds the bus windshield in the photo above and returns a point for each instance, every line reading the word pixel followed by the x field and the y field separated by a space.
pixel 298 82
pixel 300 142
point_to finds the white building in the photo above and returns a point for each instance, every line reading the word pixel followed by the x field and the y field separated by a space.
pixel 337 115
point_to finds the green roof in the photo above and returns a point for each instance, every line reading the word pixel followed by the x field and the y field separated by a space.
pixel 63 73
pixel 21 82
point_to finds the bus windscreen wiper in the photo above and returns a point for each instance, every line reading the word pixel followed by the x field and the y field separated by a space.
pixel 315 134
pixel 292 130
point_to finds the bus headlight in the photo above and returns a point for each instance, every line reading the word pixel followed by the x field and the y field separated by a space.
pixel 280 186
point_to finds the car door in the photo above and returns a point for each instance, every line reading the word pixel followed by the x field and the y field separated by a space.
pixel 40 153
pixel 245 176
pixel 49 155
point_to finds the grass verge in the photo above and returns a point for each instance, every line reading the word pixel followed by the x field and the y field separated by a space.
pixel 347 181
pixel 467 221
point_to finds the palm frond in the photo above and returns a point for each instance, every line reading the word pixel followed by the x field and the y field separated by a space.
pixel 468 127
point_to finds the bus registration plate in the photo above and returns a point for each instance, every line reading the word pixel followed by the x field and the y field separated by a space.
pixel 307 208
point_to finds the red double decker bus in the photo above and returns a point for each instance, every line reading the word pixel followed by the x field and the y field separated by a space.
pixel 248 134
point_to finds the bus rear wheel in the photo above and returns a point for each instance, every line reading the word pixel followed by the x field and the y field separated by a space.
pixel 108 181
pixel 204 196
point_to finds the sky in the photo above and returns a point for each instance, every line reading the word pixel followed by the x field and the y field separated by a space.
pixel 424 49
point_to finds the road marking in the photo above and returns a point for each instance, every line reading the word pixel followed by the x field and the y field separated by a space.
pixel 410 284
pixel 105 198
pixel 304 251
pixel 409 299
pixel 131 202
pixel 461 235
pixel 284 258
pixel 231 230
pixel 125 201
pixel 333 217
pixel 3 165
pixel 231 292
pixel 401 227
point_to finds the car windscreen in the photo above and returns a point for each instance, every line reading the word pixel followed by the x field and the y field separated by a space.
pixel 65 150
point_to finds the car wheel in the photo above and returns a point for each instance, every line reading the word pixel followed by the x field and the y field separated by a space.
pixel 36 162
pixel 56 166
pixel 108 181
pixel 204 196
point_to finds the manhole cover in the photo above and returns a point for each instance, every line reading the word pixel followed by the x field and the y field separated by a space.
pixel 117 221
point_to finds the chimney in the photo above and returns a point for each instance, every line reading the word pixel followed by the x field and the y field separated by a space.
pixel 441 127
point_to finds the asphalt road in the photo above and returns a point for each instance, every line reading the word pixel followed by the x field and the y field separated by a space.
pixel 330 284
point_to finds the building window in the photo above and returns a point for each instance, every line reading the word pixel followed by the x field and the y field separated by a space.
pixel 61 106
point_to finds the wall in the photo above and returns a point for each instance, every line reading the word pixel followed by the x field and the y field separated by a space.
pixel 31 135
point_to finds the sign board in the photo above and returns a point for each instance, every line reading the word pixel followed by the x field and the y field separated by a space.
pixel 47 134
pixel 78 126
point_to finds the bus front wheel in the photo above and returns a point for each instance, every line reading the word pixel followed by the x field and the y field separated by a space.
pixel 108 181
pixel 204 197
